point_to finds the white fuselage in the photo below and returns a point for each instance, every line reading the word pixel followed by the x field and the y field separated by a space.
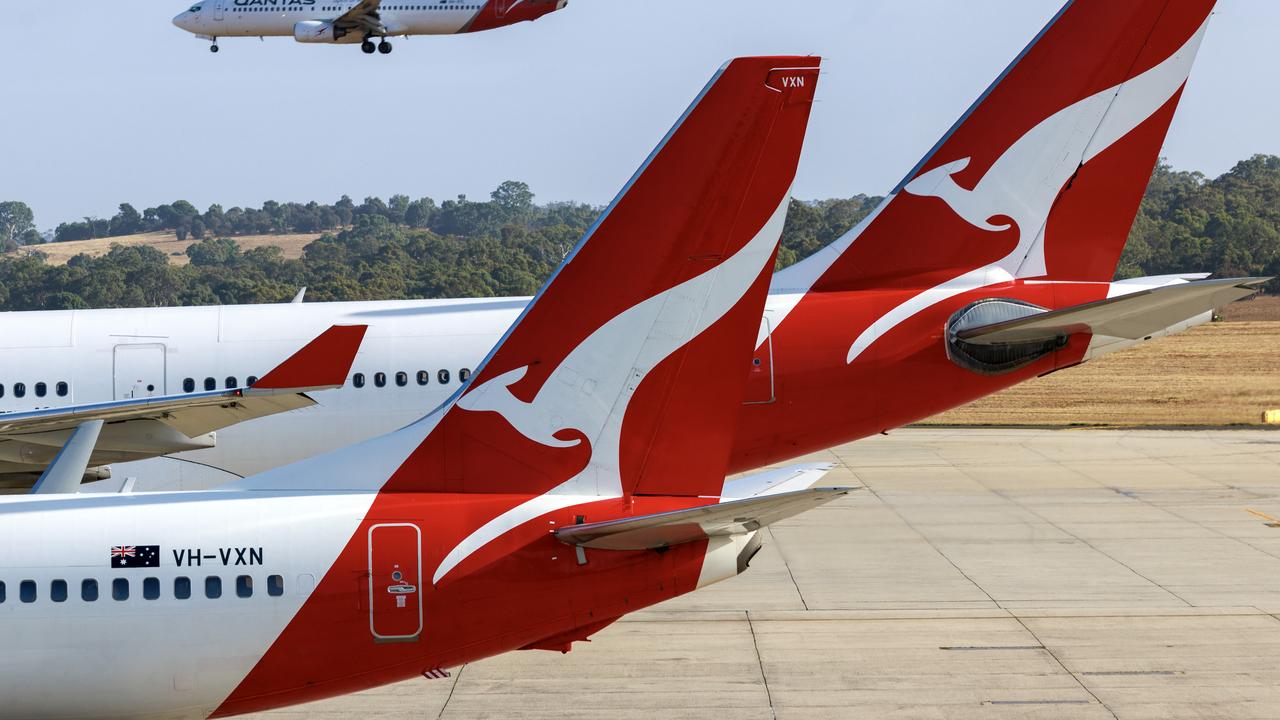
pixel 413 357
pixel 158 642
pixel 253 18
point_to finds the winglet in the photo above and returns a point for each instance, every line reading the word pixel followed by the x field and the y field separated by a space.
pixel 323 363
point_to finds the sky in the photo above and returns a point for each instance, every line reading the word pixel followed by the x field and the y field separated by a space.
pixel 108 102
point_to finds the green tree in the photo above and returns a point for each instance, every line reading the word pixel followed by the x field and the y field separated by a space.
pixel 16 219
pixel 126 222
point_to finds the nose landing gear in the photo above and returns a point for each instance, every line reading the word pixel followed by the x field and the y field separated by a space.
pixel 214 47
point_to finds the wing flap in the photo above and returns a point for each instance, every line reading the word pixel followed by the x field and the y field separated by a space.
pixel 734 517
pixel 1131 316
pixel 363 16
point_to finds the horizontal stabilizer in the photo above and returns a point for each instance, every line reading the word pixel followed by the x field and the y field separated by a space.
pixel 1131 316
pixel 773 482
pixel 733 517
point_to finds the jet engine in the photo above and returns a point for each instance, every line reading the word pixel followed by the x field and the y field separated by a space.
pixel 322 31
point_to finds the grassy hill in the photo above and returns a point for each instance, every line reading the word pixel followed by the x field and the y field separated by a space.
pixel 166 242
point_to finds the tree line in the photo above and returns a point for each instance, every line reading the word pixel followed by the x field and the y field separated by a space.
pixel 508 244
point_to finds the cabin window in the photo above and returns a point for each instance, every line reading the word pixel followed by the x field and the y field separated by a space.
pixel 464 374
pixel 58 591
pixel 151 589
pixel 251 380
pixel 380 379
pixel 424 377
pixel 62 389
pixel 275 585
pixel 244 586
pixel 402 378
pixel 19 390
pixel 27 591
pixel 210 384
pixel 443 377
pixel 213 587
pixel 1 389
pixel 2 593
pixel 120 589
pixel 358 380
pixel 89 590
pixel 41 389
pixel 189 385
pixel 182 588
pixel 231 382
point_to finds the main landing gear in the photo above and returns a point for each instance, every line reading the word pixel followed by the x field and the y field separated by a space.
pixel 368 47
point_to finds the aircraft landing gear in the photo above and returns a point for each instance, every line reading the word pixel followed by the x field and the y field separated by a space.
pixel 384 47
pixel 367 47
pixel 214 47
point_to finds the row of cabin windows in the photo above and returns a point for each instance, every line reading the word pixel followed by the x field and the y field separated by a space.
pixel 189 384
pixel 402 378
pixel 40 389
pixel 120 588
pixel 441 6
pixel 358 380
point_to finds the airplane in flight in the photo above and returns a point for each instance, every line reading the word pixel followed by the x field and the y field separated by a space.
pixel 579 476
pixel 990 264
pixel 354 21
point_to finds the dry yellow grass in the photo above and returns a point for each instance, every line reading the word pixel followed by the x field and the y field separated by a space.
pixel 1218 374
pixel 167 243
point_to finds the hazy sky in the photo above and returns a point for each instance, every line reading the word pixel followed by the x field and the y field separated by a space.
pixel 107 102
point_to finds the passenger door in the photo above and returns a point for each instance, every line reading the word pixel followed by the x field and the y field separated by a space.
pixel 139 371
pixel 218 6
pixel 395 582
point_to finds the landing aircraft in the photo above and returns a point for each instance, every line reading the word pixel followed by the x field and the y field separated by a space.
pixel 578 476
pixel 989 264
pixel 354 21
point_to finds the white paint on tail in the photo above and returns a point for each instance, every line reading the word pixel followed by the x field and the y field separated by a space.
pixel 1026 180
pixel 591 389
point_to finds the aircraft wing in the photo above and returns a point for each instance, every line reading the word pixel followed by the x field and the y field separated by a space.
pixel 362 18
pixel 321 365
pixel 136 429
pixel 192 414
pixel 733 517
pixel 1131 316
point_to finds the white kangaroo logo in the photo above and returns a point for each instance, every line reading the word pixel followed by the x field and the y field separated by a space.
pixel 590 390
pixel 1023 183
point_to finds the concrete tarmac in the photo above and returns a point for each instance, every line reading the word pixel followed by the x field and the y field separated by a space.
pixel 978 574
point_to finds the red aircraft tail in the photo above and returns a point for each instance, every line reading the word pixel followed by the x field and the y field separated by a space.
pixel 625 373
pixel 1043 176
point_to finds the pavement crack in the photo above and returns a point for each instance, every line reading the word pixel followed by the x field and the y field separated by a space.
pixel 787 564
pixel 456 679
pixel 764 677
pixel 1063 665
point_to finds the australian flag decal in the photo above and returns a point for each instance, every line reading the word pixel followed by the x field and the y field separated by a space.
pixel 135 556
